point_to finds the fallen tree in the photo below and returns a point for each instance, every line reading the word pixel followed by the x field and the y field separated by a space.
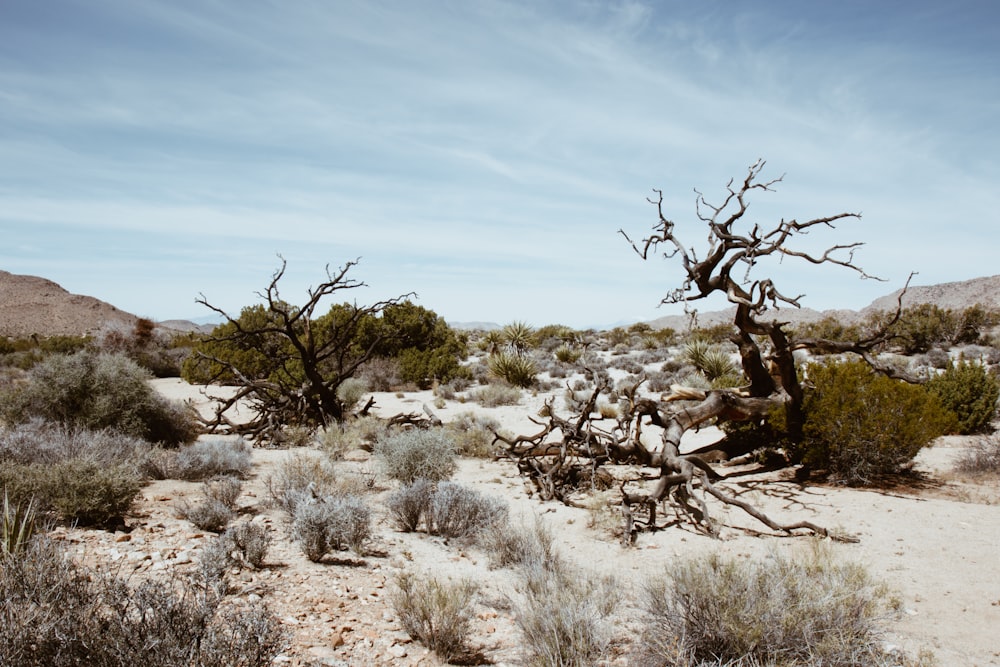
pixel 570 450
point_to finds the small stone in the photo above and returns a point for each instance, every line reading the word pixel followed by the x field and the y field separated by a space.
pixel 123 537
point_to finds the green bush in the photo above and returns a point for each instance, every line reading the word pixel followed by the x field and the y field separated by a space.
pixel 410 455
pixel 436 613
pixel 73 490
pixel 861 425
pixel 94 391
pixel 970 392
pixel 805 611
pixel 514 369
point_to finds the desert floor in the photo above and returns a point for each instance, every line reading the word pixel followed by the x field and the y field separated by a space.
pixel 937 547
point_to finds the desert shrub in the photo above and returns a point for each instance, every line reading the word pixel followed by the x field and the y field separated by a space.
pixel 208 514
pixel 970 392
pixel 514 369
pixel 356 433
pixel 779 610
pixel 861 425
pixel 567 354
pixel 563 614
pixel 73 490
pixel 38 441
pixel 408 504
pixel 510 544
pixel 436 613
pixel 496 395
pixel 293 435
pixel 938 358
pixel 715 364
pixel 56 613
pixel 333 523
pixel 474 433
pixel 981 458
pixel 299 477
pixel 350 392
pixel 210 458
pixel 248 542
pixel 458 511
pixel 93 391
pixel 380 374
pixel 217 508
pixel 410 455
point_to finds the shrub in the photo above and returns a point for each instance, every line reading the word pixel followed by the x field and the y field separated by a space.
pixel 408 503
pixel 970 392
pixel 73 490
pixel 861 425
pixel 514 369
pixel 434 612
pixel 208 514
pixel 244 544
pixel 331 524
pixel 775 611
pixel 211 458
pixel 410 455
pixel 350 393
pixel 37 441
pixel 563 614
pixel 218 507
pixel 458 511
pixel 94 391
pixel 495 395
pixel 356 433
pixel 474 434
pixel 981 458
pixel 299 477
pixel 567 354
pixel 509 544
pixel 55 613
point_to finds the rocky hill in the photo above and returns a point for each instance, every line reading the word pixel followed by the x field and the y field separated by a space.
pixel 31 305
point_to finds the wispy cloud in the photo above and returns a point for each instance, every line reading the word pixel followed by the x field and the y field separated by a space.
pixel 482 154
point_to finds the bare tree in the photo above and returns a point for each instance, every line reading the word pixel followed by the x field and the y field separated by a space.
pixel 735 249
pixel 306 356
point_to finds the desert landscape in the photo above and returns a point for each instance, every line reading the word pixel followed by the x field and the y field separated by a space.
pixel 934 541
pixel 937 547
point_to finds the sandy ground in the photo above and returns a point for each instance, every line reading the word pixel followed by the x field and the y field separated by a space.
pixel 937 547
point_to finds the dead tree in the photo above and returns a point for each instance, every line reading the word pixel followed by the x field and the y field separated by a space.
pixel 736 249
pixel 306 356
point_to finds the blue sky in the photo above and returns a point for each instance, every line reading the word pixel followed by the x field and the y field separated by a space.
pixel 484 154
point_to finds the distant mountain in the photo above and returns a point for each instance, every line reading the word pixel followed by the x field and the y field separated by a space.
pixel 31 305
pixel 957 296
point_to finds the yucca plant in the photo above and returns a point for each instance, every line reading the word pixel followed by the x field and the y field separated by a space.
pixel 515 369
pixel 518 336
pixel 17 525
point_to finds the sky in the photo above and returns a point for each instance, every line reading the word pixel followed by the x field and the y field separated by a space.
pixel 485 154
